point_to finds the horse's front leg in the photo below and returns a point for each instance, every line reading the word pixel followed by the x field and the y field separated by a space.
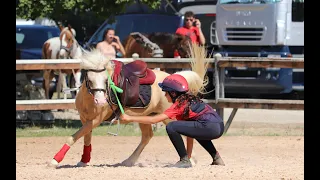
pixel 77 78
pixel 85 129
pixel 62 83
pixel 86 155
pixel 146 135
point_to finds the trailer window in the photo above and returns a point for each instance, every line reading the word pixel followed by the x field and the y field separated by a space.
pixel 297 10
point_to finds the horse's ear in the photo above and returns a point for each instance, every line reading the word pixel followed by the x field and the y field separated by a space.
pixel 61 27
pixel 70 28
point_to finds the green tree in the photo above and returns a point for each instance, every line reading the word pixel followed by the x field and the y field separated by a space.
pixel 85 16
pixel 58 10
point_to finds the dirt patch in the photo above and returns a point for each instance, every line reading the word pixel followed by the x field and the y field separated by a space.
pixel 247 157
pixel 257 157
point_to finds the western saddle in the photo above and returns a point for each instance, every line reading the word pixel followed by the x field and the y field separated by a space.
pixel 129 77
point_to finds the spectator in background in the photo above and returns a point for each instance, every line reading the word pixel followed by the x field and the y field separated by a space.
pixel 111 44
pixel 192 28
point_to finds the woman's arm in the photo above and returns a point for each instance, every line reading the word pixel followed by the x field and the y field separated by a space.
pixel 121 48
pixel 144 119
pixel 123 52
pixel 202 39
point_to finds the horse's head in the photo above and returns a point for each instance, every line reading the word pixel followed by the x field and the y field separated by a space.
pixel 97 67
pixel 183 43
pixel 67 39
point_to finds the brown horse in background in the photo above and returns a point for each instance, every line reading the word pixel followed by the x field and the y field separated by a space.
pixel 168 42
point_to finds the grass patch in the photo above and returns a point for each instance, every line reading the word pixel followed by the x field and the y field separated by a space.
pixel 69 127
pixel 102 130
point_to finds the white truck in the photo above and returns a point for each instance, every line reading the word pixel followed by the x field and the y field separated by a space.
pixel 262 28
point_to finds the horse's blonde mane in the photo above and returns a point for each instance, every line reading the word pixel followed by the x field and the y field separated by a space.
pixel 95 59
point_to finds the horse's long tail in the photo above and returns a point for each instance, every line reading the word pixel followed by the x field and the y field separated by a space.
pixel 197 79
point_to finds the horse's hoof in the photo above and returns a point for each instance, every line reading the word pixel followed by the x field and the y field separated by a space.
pixel 82 164
pixel 52 164
pixel 127 163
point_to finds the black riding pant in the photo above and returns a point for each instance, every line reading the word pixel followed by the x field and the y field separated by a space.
pixel 203 131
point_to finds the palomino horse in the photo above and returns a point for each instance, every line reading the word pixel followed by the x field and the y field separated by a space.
pixel 63 47
pixel 141 95
pixel 168 42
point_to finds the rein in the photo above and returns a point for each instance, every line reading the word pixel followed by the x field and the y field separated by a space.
pixel 115 90
pixel 111 84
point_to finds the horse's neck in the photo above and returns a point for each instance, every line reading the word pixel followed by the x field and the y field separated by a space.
pixel 76 50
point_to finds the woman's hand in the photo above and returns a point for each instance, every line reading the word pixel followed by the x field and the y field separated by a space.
pixel 125 117
pixel 117 38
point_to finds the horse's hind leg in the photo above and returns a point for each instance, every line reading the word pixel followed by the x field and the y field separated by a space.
pixel 85 129
pixel 146 135
pixel 47 77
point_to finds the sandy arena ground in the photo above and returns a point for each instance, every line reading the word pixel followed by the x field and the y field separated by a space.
pixel 246 157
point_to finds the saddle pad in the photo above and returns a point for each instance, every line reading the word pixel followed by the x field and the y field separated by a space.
pixel 144 92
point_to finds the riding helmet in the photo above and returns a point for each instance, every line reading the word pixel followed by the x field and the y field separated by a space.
pixel 174 82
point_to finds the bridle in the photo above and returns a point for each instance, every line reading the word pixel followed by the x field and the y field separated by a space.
pixel 90 90
pixel 67 49
pixel 180 48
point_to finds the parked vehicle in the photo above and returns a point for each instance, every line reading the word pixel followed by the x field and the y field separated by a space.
pixel 169 17
pixel 29 41
pixel 262 28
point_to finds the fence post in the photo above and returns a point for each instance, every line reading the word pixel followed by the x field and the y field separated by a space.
pixel 219 91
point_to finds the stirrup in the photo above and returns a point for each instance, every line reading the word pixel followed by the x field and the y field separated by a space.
pixel 118 128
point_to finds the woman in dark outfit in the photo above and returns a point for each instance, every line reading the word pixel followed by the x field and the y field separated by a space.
pixel 195 119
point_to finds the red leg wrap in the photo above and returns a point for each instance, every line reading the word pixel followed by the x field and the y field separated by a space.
pixel 86 154
pixel 60 155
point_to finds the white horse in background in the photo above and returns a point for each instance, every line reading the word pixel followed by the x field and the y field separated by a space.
pixel 63 47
